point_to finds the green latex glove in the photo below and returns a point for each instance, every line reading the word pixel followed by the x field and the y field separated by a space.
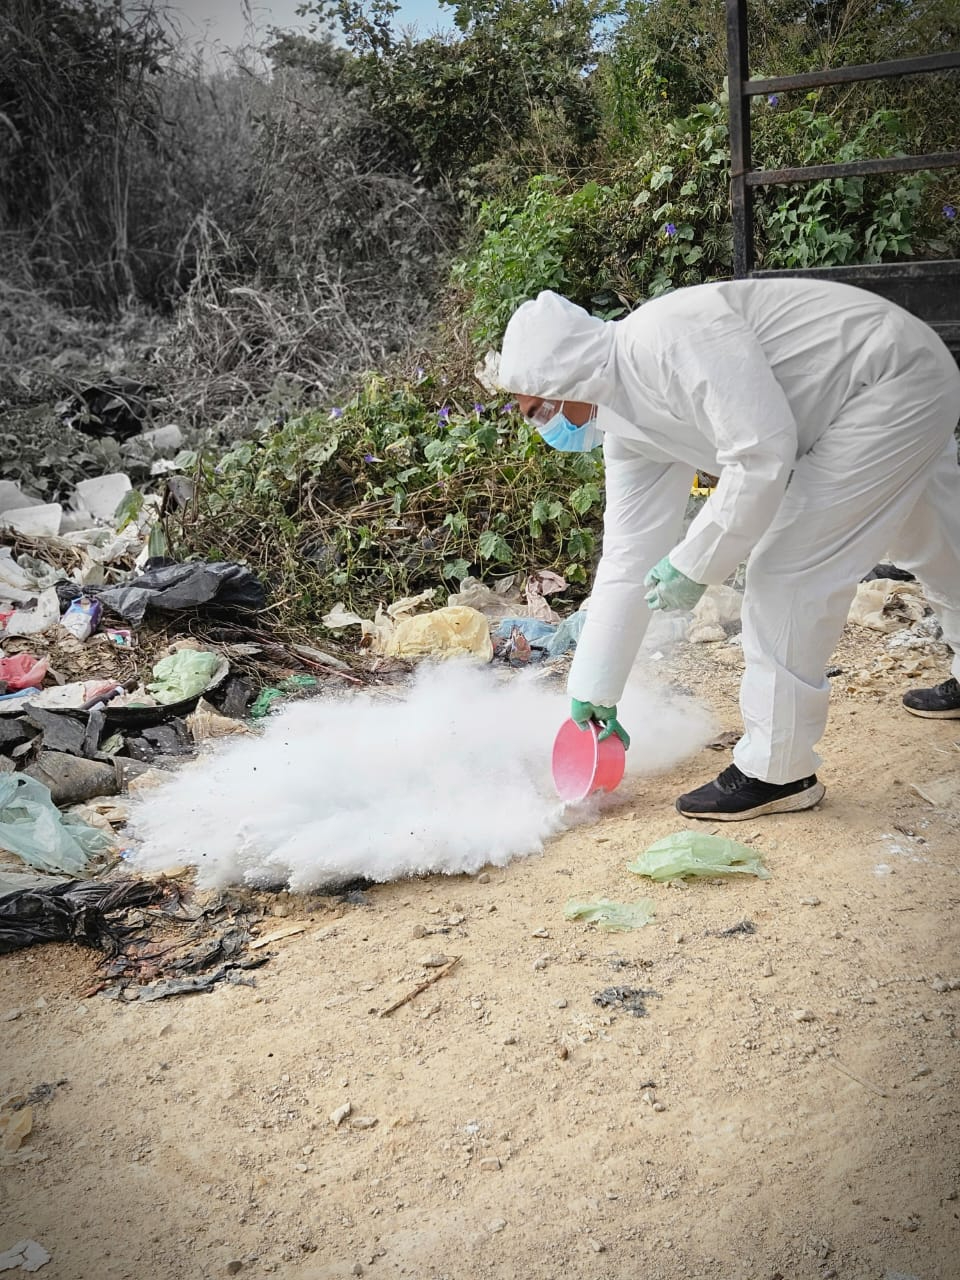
pixel 582 713
pixel 671 589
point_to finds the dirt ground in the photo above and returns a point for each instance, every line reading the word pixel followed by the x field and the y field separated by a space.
pixel 787 1109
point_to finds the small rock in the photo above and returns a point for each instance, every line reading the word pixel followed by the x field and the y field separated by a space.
pixel 678 938
pixel 921 1072
pixel 496 1224
pixel 659 1106
pixel 649 1097
pixel 510 1040
pixel 356 1269
pixel 436 961
pixel 420 931
pixel 810 902
pixel 597 1247
pixel 337 1117
pixel 455 920
pixel 767 970
pixel 490 1164
pixel 234 1266
pixel 540 933
pixel 541 962
pixel 483 878
pixel 803 1015
pixel 563 1052
pixel 561 1004
pixel 363 1122
pixel 307 1151
pixel 10 1016
pixel 301 1168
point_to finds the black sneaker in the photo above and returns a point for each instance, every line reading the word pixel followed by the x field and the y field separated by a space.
pixel 942 702
pixel 733 796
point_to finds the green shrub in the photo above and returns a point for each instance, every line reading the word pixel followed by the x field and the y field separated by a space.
pixel 399 489
pixel 663 221
pixel 838 220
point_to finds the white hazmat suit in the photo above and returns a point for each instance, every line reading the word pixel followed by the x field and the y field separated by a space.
pixel 828 414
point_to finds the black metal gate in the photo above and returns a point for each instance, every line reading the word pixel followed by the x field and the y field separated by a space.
pixel 930 289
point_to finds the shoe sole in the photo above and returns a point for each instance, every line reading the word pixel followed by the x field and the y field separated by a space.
pixel 786 804
pixel 953 714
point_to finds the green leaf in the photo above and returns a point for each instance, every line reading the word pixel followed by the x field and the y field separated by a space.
pixel 582 499
pixel 494 546
pixel 318 454
pixel 458 569
pixel 128 509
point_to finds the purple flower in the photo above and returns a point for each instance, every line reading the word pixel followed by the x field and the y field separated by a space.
pixel 949 212
pixel 478 408
pixel 336 412
pixel 419 374
pixel 772 100
pixel 670 229
pixel 508 407
pixel 443 414
pixel 369 457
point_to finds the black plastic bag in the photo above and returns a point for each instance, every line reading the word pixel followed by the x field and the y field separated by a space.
pixel 116 407
pixel 172 587
pixel 74 911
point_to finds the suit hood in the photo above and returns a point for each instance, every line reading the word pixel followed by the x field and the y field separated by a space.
pixel 555 350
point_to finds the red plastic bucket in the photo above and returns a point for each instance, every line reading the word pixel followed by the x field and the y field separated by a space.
pixel 582 764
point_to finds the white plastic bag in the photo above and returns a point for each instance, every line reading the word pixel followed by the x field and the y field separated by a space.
pixel 32 827
pixel 33 622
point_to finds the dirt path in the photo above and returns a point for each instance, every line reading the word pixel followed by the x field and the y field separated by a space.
pixel 788 1108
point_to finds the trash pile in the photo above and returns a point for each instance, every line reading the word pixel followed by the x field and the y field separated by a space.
pixel 83 708
pixel 95 693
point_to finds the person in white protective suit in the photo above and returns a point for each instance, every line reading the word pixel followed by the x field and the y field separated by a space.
pixel 828 414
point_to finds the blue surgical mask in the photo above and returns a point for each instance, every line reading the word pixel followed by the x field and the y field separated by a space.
pixel 562 434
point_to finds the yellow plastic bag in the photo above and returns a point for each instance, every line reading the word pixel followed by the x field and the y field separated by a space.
pixel 454 632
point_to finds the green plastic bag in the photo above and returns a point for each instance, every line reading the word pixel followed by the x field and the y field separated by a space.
pixel 181 675
pixel 32 827
pixel 688 853
pixel 275 693
pixel 611 916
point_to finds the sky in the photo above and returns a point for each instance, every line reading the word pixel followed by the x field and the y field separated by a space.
pixel 225 22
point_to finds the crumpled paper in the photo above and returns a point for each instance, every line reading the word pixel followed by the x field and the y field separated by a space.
pixel 887 605
pixel 541 584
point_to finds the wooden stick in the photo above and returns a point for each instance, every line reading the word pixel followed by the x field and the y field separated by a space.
pixel 834 1062
pixel 421 986
pixel 287 931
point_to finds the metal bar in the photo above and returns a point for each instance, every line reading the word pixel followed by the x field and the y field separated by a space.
pixel 741 196
pixel 942 270
pixel 847 75
pixel 853 168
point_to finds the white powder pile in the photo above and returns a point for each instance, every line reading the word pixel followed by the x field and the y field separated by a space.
pixel 448 775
